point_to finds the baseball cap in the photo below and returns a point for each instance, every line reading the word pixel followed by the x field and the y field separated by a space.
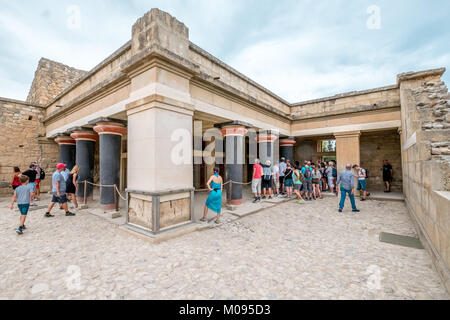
pixel 60 165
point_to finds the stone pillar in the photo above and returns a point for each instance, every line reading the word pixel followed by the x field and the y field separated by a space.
pixel 160 164
pixel 110 154
pixel 267 144
pixel 287 148
pixel 347 151
pixel 67 150
pixel 234 133
pixel 85 140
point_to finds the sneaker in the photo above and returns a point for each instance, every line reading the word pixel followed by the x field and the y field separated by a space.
pixel 23 228
pixel 340 210
pixel 256 200
pixel 203 219
pixel 270 197
pixel 48 215
pixel 264 197
pixel 69 214
pixel 355 210
pixel 19 231
pixel 363 199
pixel 300 201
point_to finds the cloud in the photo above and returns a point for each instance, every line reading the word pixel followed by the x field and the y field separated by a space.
pixel 297 49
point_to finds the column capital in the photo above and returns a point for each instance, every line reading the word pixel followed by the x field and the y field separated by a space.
pixel 64 139
pixel 84 135
pixel 287 142
pixel 266 138
pixel 233 128
pixel 110 128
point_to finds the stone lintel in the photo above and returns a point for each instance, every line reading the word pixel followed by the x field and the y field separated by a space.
pixel 233 124
pixel 107 120
pixel 347 134
pixel 160 102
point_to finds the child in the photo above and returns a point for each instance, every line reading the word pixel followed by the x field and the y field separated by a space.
pixel 23 196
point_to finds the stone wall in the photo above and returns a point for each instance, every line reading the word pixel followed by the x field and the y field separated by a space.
pixel 376 147
pixel 50 79
pixel 358 101
pixel 426 161
pixel 22 141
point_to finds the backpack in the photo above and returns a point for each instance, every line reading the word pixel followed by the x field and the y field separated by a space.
pixel 267 173
pixel 334 172
pixel 307 173
pixel 367 173
pixel 42 173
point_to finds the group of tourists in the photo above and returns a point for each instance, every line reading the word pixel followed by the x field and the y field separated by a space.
pixel 27 190
pixel 285 179
pixel 305 183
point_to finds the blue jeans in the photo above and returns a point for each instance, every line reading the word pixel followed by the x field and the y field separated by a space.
pixel 343 195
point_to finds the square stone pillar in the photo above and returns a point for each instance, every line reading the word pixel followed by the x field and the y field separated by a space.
pixel 160 163
pixel 347 151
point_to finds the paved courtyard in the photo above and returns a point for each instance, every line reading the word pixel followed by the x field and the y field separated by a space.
pixel 289 251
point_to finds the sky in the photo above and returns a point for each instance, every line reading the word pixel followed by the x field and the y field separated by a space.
pixel 299 50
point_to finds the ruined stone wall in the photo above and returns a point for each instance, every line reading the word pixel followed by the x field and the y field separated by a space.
pixel 376 147
pixel 426 162
pixel 368 100
pixel 22 142
pixel 50 79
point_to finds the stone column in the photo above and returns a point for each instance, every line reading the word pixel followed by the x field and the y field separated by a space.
pixel 347 151
pixel 267 143
pixel 67 150
pixel 85 140
pixel 110 133
pixel 234 133
pixel 287 148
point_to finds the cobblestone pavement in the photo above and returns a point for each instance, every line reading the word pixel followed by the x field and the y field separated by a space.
pixel 290 251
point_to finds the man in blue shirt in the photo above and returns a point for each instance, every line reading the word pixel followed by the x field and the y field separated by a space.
pixel 346 180
pixel 307 183
pixel 59 191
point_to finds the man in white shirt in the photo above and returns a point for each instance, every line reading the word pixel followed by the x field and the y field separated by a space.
pixel 276 179
pixel 282 167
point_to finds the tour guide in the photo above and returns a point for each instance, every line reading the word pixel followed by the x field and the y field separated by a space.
pixel 347 181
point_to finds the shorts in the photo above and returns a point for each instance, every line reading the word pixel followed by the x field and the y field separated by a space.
pixel 15 187
pixel 277 183
pixel 297 186
pixel 23 208
pixel 267 184
pixel 362 185
pixel 32 186
pixel 315 180
pixel 37 182
pixel 256 185
pixel 288 183
pixel 307 186
pixel 60 200
pixel 331 182
pixel 281 180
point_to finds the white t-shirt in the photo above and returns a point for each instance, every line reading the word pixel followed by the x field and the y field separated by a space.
pixel 362 174
pixel 275 170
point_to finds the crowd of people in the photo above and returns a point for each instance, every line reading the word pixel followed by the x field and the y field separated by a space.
pixel 26 186
pixel 305 182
